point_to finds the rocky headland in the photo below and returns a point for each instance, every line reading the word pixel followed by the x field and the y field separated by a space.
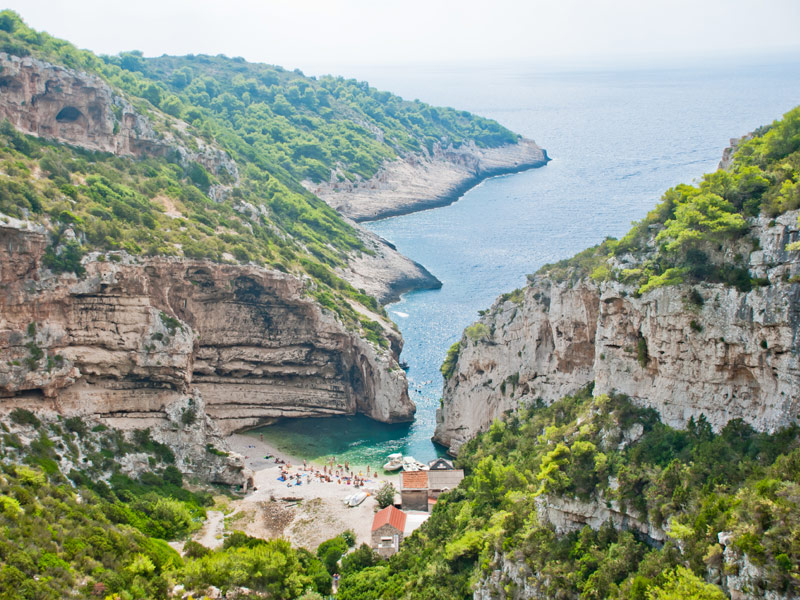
pixel 427 180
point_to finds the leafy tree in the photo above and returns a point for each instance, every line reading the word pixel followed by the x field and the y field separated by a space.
pixel 385 495
pixel 330 551
pixel 682 584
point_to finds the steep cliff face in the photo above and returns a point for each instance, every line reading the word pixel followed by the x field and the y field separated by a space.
pixel 420 181
pixel 537 345
pixel 684 350
pixel 80 109
pixel 512 579
pixel 131 338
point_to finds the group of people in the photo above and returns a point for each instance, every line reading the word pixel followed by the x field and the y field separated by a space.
pixel 342 474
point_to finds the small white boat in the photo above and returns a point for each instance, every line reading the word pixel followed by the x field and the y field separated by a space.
pixel 412 464
pixel 395 462
pixel 355 499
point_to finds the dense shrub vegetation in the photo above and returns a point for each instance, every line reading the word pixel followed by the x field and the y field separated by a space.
pixel 96 532
pixel 693 483
pixel 685 237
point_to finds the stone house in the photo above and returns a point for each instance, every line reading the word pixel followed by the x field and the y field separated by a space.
pixel 388 527
pixel 419 490
pixel 440 481
pixel 414 490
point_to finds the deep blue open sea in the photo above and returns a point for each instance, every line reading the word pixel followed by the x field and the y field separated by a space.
pixel 617 139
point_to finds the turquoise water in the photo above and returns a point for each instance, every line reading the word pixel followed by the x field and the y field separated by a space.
pixel 618 140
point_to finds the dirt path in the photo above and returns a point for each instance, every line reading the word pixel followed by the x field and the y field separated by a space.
pixel 210 535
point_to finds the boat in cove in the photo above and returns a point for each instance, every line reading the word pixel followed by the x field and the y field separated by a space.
pixel 412 464
pixel 395 462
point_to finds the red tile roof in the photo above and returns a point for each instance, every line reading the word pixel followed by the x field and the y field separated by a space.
pixel 391 515
pixel 415 480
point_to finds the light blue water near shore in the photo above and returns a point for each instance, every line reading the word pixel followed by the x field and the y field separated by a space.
pixel 618 140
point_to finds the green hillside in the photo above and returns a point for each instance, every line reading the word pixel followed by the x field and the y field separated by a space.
pixel 280 127
pixel 681 240
pixel 97 533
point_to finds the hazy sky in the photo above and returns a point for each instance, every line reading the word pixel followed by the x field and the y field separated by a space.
pixel 314 33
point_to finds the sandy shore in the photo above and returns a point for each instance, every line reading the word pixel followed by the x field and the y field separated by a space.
pixel 306 514
pixel 254 450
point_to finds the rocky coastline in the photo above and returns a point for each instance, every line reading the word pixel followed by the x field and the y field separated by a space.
pixel 132 337
pixel 422 181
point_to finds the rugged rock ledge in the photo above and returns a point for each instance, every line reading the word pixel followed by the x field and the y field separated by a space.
pixel 512 579
pixel 129 339
pixel 385 273
pixel 421 181
pixel 733 356
pixel 76 108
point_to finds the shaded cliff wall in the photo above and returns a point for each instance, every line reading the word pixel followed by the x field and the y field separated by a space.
pixel 130 338
pixel 733 355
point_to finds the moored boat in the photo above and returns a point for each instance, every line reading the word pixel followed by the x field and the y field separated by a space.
pixel 412 464
pixel 395 462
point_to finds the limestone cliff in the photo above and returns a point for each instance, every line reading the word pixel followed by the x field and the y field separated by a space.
pixel 131 338
pixel 421 181
pixel 511 578
pixel 684 350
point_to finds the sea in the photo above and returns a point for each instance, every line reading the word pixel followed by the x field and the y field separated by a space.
pixel 618 139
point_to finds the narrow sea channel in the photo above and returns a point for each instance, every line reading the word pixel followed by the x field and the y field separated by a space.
pixel 618 140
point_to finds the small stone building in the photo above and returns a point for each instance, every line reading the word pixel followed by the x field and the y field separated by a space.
pixel 414 490
pixel 387 530
pixel 419 490
pixel 440 481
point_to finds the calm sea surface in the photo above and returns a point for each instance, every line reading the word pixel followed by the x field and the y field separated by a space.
pixel 617 139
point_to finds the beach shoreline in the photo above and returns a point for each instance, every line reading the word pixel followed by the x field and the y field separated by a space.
pixel 308 513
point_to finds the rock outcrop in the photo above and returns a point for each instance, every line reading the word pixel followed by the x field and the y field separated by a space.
pixel 421 181
pixel 76 108
pixel 382 271
pixel 198 446
pixel 131 338
pixel 686 351
pixel 512 578
pixel 540 345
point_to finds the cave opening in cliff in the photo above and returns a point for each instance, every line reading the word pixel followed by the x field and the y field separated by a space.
pixel 10 83
pixel 68 114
